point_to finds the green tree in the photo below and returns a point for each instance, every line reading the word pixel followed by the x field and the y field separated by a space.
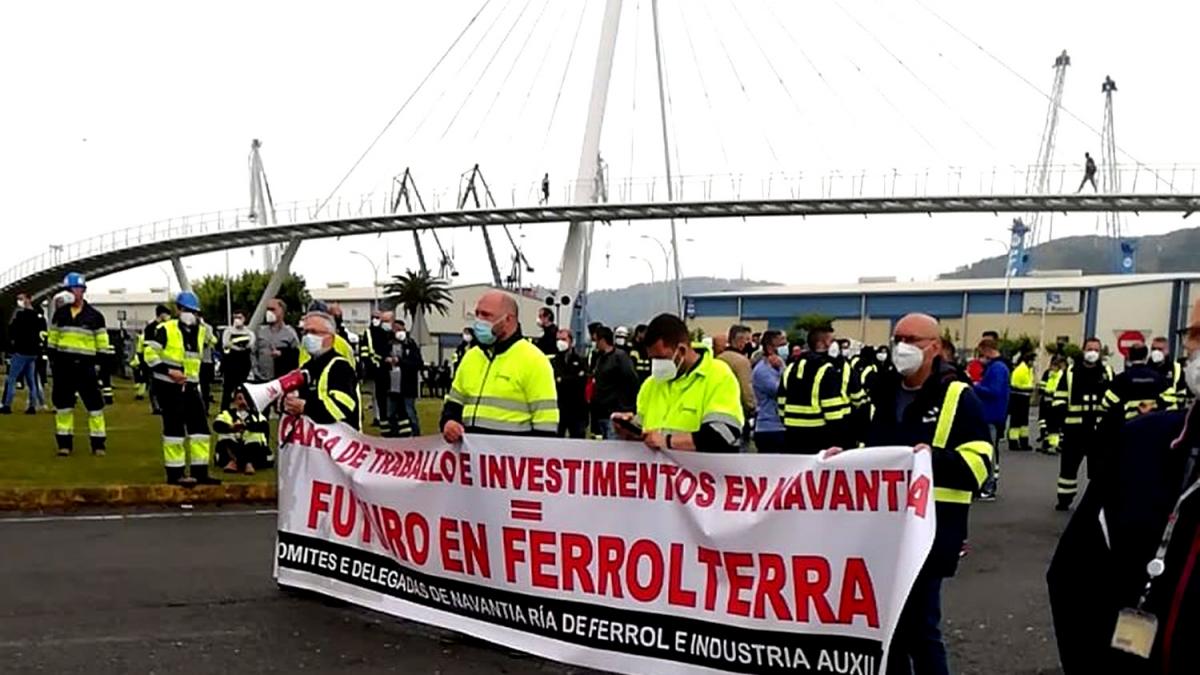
pixel 418 293
pixel 804 324
pixel 246 290
pixel 1021 344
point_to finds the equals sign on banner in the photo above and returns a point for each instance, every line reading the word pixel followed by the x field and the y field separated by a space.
pixel 521 509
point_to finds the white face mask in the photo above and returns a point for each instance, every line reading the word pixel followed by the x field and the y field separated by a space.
pixel 1191 372
pixel 562 345
pixel 271 317
pixel 314 344
pixel 239 322
pixel 386 325
pixel 1091 356
pixel 907 358
pixel 401 335
pixel 187 318
pixel 467 338
pixel 1157 356
pixel 881 357
pixel 375 323
pixel 835 350
pixel 620 342
pixel 663 370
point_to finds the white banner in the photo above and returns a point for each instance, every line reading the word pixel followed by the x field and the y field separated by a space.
pixel 609 555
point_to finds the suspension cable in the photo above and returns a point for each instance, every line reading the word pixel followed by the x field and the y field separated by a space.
pixel 486 68
pixel 914 75
pixel 562 81
pixel 712 115
pixel 404 105
pixel 511 68
pixel 741 85
pixel 1031 85
pixel 779 78
pixel 537 73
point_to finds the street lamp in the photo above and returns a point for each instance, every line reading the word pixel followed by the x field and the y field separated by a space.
pixel 374 279
pixel 649 265
pixel 666 264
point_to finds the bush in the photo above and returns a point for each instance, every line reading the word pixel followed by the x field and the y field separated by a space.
pixel 1022 344
pixel 798 333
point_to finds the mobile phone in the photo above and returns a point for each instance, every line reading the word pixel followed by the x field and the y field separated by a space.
pixel 628 425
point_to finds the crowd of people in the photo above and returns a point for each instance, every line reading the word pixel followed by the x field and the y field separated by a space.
pixel 743 391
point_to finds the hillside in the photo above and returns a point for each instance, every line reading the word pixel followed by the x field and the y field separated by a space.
pixel 1173 252
pixel 638 304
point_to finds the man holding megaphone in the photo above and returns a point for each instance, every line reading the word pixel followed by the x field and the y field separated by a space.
pixel 330 392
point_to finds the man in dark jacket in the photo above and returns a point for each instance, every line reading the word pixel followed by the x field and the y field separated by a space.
pixel 549 337
pixel 410 364
pixel 1119 533
pixel 25 345
pixel 616 383
pixel 922 404
pixel 570 379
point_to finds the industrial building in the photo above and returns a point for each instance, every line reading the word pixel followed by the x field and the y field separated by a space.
pixel 134 310
pixel 1109 306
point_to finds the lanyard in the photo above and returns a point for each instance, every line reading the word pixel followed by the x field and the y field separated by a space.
pixel 1157 565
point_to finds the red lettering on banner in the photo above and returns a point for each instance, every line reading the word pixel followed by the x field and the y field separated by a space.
pixel 738 582
pixel 817 491
pixel 448 544
pixel 858 594
pixel 772 579
pixel 317 503
pixel 734 491
pixel 464 469
pixel 712 561
pixel 708 490
pixel 810 589
pixel 510 537
pixel 416 533
pixel 866 487
pixel 577 558
pixel 611 551
pixel 540 558
pixel 345 512
pixel 795 495
pixel 676 593
pixel 393 533
pixel 918 495
pixel 841 493
pixel 647 592
pixel 893 478
pixel 475 550
pixel 756 489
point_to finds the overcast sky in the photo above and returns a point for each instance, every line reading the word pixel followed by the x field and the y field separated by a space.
pixel 120 113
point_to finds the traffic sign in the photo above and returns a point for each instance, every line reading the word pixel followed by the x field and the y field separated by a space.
pixel 1127 339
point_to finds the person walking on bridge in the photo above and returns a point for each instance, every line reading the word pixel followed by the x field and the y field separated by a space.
pixel 77 339
pixel 1089 173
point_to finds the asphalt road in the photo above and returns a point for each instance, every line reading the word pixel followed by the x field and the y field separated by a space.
pixel 165 592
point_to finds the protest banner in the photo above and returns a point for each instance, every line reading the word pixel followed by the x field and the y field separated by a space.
pixel 610 555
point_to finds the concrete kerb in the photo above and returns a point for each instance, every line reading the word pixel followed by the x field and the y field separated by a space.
pixel 33 499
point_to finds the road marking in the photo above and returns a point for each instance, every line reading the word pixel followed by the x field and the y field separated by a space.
pixel 122 639
pixel 138 516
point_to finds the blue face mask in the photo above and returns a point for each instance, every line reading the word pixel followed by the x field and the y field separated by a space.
pixel 782 351
pixel 483 332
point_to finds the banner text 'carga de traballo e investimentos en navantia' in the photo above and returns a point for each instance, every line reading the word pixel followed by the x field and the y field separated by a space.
pixel 610 555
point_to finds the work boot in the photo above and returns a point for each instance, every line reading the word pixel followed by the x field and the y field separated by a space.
pixel 31 410
pixel 174 474
pixel 64 452
pixel 200 475
pixel 99 452
pixel 5 410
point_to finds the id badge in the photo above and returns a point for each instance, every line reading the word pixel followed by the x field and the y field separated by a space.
pixel 1135 632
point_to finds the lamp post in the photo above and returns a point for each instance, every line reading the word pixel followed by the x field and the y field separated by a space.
pixel 374 279
pixel 666 265
pixel 649 265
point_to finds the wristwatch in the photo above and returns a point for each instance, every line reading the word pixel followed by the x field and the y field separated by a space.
pixel 669 441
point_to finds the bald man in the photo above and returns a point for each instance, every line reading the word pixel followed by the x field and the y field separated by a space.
pixel 504 384
pixel 923 404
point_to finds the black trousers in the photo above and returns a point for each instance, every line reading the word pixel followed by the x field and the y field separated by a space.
pixel 1077 445
pixel 235 370
pixel 572 423
pixel 71 377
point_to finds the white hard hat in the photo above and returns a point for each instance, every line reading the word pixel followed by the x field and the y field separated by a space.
pixel 621 331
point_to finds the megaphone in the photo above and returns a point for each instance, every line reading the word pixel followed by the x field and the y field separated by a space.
pixel 260 395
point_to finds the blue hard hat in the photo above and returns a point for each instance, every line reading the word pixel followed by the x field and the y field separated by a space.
pixel 188 300
pixel 74 280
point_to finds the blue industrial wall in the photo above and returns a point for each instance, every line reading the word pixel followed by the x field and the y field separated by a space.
pixel 779 311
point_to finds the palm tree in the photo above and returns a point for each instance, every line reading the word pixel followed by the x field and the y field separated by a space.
pixel 418 293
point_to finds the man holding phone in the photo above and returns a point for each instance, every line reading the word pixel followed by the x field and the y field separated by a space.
pixel 692 400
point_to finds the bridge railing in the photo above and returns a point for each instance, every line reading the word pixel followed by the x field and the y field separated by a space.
pixel 836 184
